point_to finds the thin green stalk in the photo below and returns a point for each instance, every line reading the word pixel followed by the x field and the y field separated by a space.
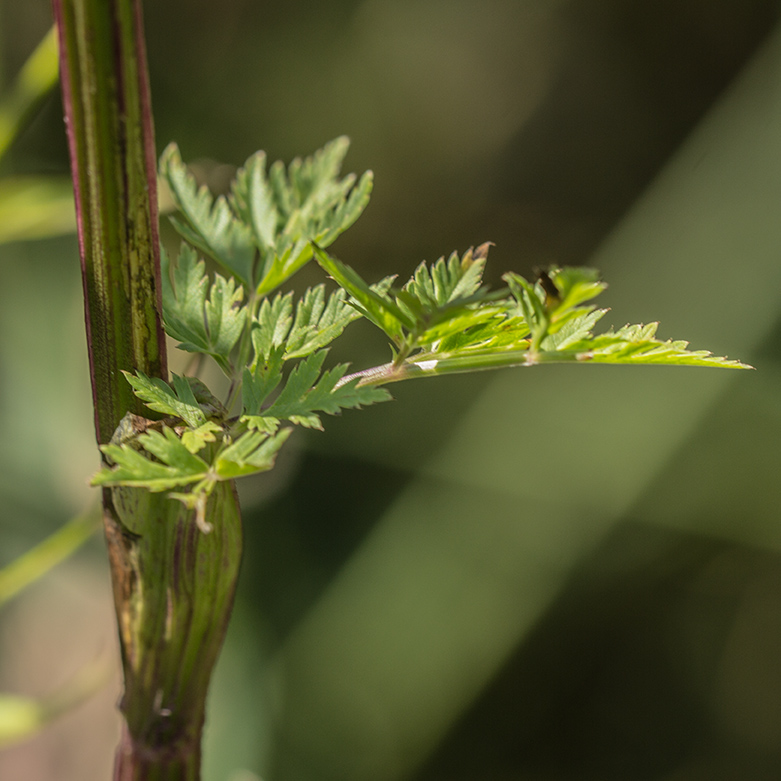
pixel 26 569
pixel 424 366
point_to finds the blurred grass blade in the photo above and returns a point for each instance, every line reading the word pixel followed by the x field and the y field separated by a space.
pixel 22 717
pixel 37 562
pixel 35 207
pixel 34 81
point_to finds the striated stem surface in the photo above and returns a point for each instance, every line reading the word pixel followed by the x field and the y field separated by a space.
pixel 173 584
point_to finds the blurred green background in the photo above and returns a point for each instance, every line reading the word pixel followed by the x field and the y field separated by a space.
pixel 548 574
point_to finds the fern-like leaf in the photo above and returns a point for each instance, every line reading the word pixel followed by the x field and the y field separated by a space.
pixel 252 452
pixel 376 305
pixel 178 401
pixel 317 322
pixel 262 233
pixel 311 204
pixel 175 465
pixel 208 223
pixel 210 325
pixel 453 281
pixel 307 392
pixel 637 344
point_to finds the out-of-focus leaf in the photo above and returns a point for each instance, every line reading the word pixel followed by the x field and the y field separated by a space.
pixel 35 207
pixel 22 717
pixel 36 78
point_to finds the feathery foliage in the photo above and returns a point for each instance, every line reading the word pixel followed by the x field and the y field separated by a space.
pixel 273 347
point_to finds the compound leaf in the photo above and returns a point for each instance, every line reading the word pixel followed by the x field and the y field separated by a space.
pixel 374 304
pixel 261 379
pixel 225 317
pixel 184 299
pixel 453 281
pixel 272 324
pixel 175 465
pixel 636 344
pixel 253 201
pixel 307 392
pixel 252 452
pixel 208 223
pixel 288 209
pixel 318 323
pixel 178 401
pixel 210 325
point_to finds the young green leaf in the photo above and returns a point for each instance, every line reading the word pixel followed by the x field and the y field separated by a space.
pixel 318 323
pixel 452 282
pixel 554 300
pixel 269 221
pixel 546 322
pixel 439 301
pixel 196 439
pixel 500 329
pixel 184 298
pixel 252 452
pixel 307 392
pixel 179 402
pixel 253 201
pixel 210 325
pixel 162 461
pixel 637 344
pixel 175 465
pixel 261 379
pixel 208 224
pixel 573 330
pixel 271 325
pixel 375 305
pixel 311 205
pixel 225 318
pixel 575 286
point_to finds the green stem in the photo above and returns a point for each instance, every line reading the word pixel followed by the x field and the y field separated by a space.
pixel 174 588
pixel 173 584
pixel 109 123
pixel 433 365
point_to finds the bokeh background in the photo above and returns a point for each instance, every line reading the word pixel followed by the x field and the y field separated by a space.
pixel 548 574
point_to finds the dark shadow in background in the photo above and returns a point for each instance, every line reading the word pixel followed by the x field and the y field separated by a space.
pixel 617 681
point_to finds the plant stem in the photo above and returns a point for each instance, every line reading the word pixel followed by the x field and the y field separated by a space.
pixel 111 142
pixel 433 365
pixel 173 584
